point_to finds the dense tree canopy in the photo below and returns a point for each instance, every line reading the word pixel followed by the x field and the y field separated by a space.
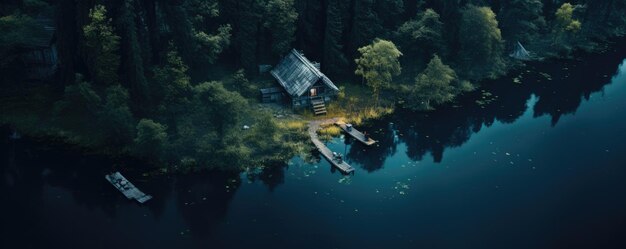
pixel 177 80
pixel 521 20
pixel 102 44
pixel 564 19
pixel 423 36
pixel 481 42
pixel 436 85
pixel 378 64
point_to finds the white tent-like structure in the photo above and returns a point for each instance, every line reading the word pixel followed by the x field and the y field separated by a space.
pixel 520 53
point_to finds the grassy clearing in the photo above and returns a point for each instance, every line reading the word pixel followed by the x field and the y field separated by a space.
pixel 354 105
pixel 329 130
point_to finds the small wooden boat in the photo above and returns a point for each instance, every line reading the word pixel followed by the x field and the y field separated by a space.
pixel 128 189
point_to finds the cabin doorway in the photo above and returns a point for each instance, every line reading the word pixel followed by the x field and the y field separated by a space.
pixel 313 92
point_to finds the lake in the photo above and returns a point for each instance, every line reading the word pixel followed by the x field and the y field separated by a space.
pixel 536 164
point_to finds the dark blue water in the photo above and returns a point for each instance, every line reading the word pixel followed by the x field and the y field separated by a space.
pixel 542 166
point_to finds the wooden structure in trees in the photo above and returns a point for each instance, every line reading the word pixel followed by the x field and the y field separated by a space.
pixel 304 83
pixel 40 55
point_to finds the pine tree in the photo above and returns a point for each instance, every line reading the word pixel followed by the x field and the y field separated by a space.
pixel 334 60
pixel 281 18
pixel 103 45
pixel 521 20
pixel 132 60
pixel 481 43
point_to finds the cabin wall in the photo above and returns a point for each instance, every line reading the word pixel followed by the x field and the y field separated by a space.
pixel 305 100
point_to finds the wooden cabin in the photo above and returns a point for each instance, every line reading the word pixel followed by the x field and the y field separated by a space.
pixel 40 55
pixel 302 83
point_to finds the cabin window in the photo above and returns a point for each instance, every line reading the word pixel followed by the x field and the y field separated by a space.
pixel 313 92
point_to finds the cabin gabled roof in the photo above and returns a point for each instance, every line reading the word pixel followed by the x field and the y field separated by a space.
pixel 297 74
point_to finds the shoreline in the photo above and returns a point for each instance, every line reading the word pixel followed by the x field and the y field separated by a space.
pixel 51 137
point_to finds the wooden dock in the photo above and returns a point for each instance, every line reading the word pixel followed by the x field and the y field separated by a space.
pixel 355 134
pixel 128 189
pixel 325 151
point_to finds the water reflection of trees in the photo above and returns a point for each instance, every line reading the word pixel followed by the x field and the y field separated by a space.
pixel 560 87
pixel 201 199
pixel 373 157
pixel 577 80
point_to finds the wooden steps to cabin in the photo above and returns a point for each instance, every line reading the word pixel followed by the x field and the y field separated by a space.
pixel 318 105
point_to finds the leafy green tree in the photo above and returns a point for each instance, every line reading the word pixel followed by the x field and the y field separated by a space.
pixel 172 88
pixel 201 11
pixel 151 139
pixel 211 45
pixel 377 64
pixel 242 85
pixel 212 128
pixel 481 43
pixel 564 21
pixel 115 117
pixel 79 100
pixel 521 20
pixel 264 135
pixel 436 85
pixel 102 46
pixel 281 21
pixel 423 34
pixel 210 42
pixel 218 108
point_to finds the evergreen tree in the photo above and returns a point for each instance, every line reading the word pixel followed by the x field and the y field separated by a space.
pixel 181 30
pixel 132 62
pixel 481 43
pixel 281 18
pixel 103 46
pixel 521 20
pixel 365 25
pixel 171 87
pixel 247 33
pixel 310 25
pixel 334 60
pixel 203 14
pixel 389 13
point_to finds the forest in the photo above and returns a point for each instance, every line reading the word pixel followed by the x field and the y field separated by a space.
pixel 173 82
